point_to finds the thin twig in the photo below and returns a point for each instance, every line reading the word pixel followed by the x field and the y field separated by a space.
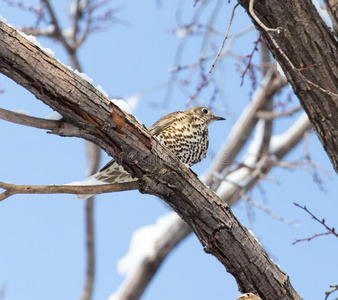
pixel 329 292
pixel 330 230
pixel 225 38
pixel 311 237
pixel 55 22
pixel 260 23
pixel 13 189
pixel 78 13
pixel 266 210
pixel 249 64
pixel 271 115
pixel 78 42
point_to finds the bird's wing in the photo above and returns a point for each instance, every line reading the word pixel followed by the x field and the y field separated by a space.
pixel 164 122
pixel 107 165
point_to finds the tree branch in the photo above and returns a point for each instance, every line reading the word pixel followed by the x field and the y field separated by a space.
pixel 13 189
pixel 122 137
pixel 23 119
pixel 137 281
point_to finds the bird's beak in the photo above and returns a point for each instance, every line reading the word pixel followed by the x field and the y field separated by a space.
pixel 216 118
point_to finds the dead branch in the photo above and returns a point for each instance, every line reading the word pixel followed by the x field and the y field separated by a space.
pixel 14 189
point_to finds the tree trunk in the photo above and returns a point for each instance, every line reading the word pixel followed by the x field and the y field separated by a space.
pixel 308 53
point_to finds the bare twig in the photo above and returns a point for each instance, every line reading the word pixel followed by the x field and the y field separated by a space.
pixel 329 292
pixel 330 230
pixel 78 42
pixel 311 237
pixel 266 210
pixel 250 56
pixel 13 189
pixel 57 27
pixel 272 115
pixel 252 13
pixel 225 38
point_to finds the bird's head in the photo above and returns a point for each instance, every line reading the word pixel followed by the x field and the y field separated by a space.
pixel 203 115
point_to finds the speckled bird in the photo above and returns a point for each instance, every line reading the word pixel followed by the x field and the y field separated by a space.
pixel 185 133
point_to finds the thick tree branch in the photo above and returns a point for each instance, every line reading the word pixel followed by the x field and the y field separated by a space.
pixel 122 137
pixel 136 282
pixel 303 41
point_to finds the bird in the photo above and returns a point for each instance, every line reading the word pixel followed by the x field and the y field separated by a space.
pixel 185 133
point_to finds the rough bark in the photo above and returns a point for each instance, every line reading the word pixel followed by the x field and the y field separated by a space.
pixel 122 137
pixel 308 53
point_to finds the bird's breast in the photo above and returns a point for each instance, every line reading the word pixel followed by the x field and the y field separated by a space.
pixel 189 143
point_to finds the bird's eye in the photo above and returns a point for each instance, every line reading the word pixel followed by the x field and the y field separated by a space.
pixel 205 110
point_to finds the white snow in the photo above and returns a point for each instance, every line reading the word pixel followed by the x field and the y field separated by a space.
pixel 84 76
pixel 72 7
pixel 122 105
pixel 133 101
pixel 34 41
pixel 47 30
pixel 172 69
pixel 68 33
pixel 323 13
pixel 280 70
pixel 102 91
pixel 251 156
pixel 233 180
pixel 251 232
pixel 50 28
pixel 278 141
pixel 31 38
pixel 88 181
pixel 68 67
pixel 142 247
pixel 22 111
pixel 182 32
pixel 3 20
pixel 54 116
pixel 143 243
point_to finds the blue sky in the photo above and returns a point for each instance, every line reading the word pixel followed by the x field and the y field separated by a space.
pixel 42 250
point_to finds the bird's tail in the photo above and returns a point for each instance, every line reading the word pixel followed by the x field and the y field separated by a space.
pixel 110 173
